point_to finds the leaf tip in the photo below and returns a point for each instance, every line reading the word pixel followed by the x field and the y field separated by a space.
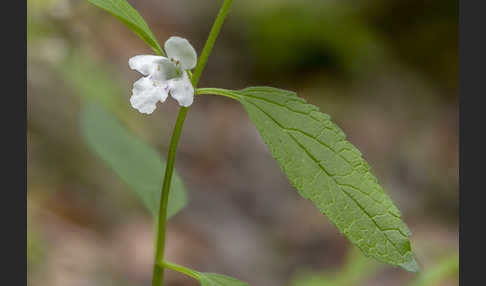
pixel 410 266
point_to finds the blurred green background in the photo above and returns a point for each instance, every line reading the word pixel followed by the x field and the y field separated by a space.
pixel 386 71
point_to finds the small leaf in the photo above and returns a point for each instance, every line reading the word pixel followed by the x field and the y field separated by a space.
pixel 206 279
pixel 131 18
pixel 213 279
pixel 136 163
pixel 324 167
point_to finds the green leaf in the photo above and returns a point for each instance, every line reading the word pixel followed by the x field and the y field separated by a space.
pixel 136 163
pixel 131 18
pixel 213 279
pixel 206 279
pixel 324 167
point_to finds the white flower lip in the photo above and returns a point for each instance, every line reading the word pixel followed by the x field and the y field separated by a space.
pixel 179 88
pixel 164 76
pixel 146 95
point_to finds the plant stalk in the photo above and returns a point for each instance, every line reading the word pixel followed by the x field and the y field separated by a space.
pixel 208 46
pixel 158 271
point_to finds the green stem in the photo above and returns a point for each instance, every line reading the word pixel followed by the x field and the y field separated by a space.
pixel 158 271
pixel 208 47
pixel 217 91
pixel 181 269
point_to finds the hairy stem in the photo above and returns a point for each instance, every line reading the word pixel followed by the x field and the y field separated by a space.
pixel 158 271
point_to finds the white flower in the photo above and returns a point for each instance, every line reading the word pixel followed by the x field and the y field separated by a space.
pixel 164 76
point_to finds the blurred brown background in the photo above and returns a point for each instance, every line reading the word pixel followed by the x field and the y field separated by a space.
pixel 386 71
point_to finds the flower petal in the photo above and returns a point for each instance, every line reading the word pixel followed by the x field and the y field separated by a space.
pixel 181 89
pixel 165 70
pixel 145 94
pixel 144 64
pixel 180 49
